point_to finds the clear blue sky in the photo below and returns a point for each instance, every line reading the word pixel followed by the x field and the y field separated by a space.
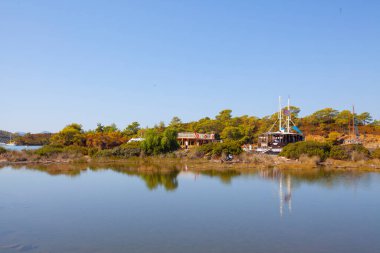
pixel 147 61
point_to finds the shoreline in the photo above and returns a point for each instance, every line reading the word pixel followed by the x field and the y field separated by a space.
pixel 199 164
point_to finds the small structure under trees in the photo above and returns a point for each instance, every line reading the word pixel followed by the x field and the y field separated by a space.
pixel 190 139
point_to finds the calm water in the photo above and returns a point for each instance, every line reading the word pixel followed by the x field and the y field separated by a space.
pixel 18 148
pixel 122 210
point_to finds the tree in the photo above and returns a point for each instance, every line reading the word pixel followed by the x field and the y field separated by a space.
pixel 224 115
pixel 157 142
pixel 70 135
pixel 343 118
pixel 132 129
pixel 326 115
pixel 364 118
pixel 231 133
pixel 111 128
pixel 99 128
pixel 175 122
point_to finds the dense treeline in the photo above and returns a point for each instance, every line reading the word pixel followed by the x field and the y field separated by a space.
pixel 33 139
pixel 234 131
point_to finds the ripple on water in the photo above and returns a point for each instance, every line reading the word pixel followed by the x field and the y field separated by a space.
pixel 18 247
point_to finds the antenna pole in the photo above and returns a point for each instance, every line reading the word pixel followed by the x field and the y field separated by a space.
pixel 279 113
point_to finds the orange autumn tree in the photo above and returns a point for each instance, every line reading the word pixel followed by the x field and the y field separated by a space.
pixel 105 137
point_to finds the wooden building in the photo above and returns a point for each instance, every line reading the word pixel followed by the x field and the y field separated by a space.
pixel 191 139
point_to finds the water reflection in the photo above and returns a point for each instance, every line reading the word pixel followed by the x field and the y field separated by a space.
pixel 107 208
pixel 155 175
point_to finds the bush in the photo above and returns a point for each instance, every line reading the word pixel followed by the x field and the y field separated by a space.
pixel 353 152
pixel 339 153
pixel 104 153
pixel 49 150
pixel 2 150
pixel 376 153
pixel 76 150
pixel 128 150
pixel 309 148
pixel 217 149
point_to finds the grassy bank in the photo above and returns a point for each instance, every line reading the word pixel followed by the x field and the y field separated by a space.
pixel 179 160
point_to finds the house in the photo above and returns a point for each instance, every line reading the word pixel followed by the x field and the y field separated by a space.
pixel 190 139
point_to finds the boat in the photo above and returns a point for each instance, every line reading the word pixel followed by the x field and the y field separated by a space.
pixel 272 142
pixel 353 131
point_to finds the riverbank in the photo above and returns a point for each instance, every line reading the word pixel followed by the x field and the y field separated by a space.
pixel 184 161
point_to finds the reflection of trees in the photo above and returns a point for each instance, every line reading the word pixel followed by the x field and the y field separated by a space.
pixel 224 175
pixel 168 180
pixel 155 175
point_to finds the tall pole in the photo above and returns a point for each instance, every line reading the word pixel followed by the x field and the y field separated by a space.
pixel 279 113
pixel 353 122
pixel 288 117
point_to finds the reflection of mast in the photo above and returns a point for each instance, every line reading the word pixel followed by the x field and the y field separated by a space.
pixel 287 197
pixel 281 196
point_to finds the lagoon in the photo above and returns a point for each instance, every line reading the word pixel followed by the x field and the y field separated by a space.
pixel 19 148
pixel 123 209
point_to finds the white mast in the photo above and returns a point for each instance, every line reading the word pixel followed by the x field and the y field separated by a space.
pixel 279 114
pixel 288 117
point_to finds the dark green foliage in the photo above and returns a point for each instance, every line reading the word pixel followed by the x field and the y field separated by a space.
pixel 218 148
pixel 350 152
pixel 158 143
pixel 376 153
pixel 49 150
pixel 309 148
pixel 325 150
pixel 2 150
pixel 339 153
pixel 128 150
pixel 125 150
pixel 76 150
pixel 358 148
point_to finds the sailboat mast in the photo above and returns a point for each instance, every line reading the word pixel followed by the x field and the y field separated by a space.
pixel 288 117
pixel 279 114
pixel 354 132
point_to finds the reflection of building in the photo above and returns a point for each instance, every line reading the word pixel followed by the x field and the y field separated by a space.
pixel 189 139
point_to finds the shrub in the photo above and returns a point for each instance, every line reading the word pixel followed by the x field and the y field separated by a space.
pixel 128 150
pixel 76 150
pixel 49 150
pixel 339 153
pixel 217 149
pixel 2 150
pixel 309 148
pixel 353 152
pixel 376 153
pixel 104 153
